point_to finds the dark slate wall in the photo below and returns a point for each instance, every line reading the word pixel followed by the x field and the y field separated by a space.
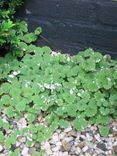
pixel 72 25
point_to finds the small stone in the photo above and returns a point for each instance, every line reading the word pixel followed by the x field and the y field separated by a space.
pixel 31 150
pixel 87 154
pixel 66 145
pixel 58 131
pixel 72 133
pixel 69 139
pixel 61 135
pixel 85 148
pixel 115 143
pixel 22 139
pixel 37 145
pixel 68 129
pixel 81 145
pixel 1 148
pixel 89 138
pixel 55 149
pixel 22 123
pixel 18 144
pixel 25 151
pixel 115 149
pixel 58 143
pixel 78 150
pixel 81 139
pixel 48 152
pixel 46 145
pixel 101 146
pixel 97 137
pixel 55 137
pixel 65 154
pixel 90 144
pixel 101 154
pixel 109 152
pixel 55 154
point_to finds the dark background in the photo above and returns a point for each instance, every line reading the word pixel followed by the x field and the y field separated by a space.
pixel 73 25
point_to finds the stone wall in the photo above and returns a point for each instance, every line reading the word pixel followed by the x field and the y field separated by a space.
pixel 73 25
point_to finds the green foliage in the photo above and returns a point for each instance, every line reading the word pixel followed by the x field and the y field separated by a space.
pixel 14 36
pixel 58 89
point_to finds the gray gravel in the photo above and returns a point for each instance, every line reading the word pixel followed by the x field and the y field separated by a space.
pixel 68 142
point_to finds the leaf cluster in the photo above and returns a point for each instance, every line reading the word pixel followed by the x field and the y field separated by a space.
pixel 14 35
pixel 81 89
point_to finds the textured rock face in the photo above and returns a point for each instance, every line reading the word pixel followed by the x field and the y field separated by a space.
pixel 72 25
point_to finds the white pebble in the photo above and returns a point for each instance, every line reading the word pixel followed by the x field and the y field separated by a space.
pixel 18 144
pixel 61 135
pixel 115 143
pixel 89 138
pixel 55 149
pixel 55 154
pixel 84 149
pixel 48 152
pixel 22 123
pixel 87 154
pixel 25 151
pixel 1 148
pixel 78 150
pixel 58 143
pixel 68 129
pixel 65 154
pixel 46 145
pixel 98 137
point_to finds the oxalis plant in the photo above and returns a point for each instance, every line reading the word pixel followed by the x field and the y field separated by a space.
pixel 51 91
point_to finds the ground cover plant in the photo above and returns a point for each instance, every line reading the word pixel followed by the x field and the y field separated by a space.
pixel 41 90
pixel 58 89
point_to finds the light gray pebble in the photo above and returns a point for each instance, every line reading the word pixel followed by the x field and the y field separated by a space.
pixel 88 137
pixel 78 150
pixel 55 149
pixel 85 148
pixel 62 135
pixel 25 151
pixel 1 148
pixel 68 129
pixel 65 154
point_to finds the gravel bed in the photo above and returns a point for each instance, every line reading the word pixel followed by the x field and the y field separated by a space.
pixel 68 142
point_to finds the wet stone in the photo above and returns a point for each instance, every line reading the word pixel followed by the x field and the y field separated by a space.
pixel 81 139
pixel 102 146
pixel 66 145
pixel 115 149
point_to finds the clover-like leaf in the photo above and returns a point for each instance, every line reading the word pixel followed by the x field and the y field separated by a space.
pixel 101 119
pixel 80 124
pixel 2 137
pixel 104 131
pixel 10 112
pixel 63 123
pixel 16 152
pixel 82 105
pixel 21 106
pixel 91 108
pixel 5 99
pixel 30 37
pixel 31 117
pixel 5 88
pixel 104 111
pixel 5 125
pixel 38 31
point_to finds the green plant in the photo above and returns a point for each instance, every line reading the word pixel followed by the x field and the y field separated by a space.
pixel 57 88
pixel 14 35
